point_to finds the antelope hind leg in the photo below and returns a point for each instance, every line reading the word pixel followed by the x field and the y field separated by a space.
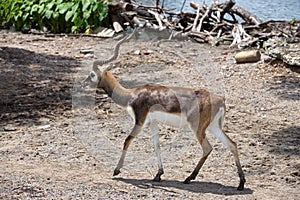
pixel 215 128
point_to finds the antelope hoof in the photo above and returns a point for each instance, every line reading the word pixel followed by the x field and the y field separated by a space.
pixel 187 180
pixel 158 175
pixel 157 178
pixel 116 172
pixel 241 185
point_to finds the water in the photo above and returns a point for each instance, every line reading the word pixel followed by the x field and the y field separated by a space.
pixel 264 10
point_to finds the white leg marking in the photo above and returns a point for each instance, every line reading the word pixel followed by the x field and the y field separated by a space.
pixel 130 112
pixel 216 129
pixel 155 129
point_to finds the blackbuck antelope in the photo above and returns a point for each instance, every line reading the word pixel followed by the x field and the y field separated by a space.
pixel 198 108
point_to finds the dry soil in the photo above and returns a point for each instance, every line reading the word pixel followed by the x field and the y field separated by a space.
pixel 60 141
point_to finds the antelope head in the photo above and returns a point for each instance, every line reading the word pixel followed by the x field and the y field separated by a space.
pixel 93 79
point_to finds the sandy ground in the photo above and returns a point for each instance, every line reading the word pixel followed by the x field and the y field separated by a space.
pixel 59 141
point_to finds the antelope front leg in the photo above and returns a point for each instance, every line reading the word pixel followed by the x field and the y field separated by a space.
pixel 154 129
pixel 135 131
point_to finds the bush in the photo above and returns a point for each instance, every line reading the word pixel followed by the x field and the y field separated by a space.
pixel 57 15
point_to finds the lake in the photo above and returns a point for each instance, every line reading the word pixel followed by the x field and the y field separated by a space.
pixel 264 10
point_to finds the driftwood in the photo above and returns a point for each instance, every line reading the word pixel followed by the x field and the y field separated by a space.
pixel 218 23
pixel 247 56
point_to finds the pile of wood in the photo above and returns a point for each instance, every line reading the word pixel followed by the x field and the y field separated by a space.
pixel 218 23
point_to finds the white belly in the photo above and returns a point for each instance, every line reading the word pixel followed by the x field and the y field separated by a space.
pixel 175 120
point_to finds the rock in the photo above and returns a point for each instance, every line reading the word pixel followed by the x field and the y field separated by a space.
pixel 137 52
pixel 292 55
pixel 86 51
pixel 89 55
pixel 286 50
pixel 295 173
pixel 147 52
pixel 272 173
pixel 10 127
pixel 43 127
pixel 267 58
pixel 231 106
pixel 252 144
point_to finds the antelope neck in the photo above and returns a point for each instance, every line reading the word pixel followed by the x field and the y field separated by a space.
pixel 115 90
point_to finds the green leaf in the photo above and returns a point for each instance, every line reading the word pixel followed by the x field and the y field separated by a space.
pixel 25 16
pixel 50 5
pixel 68 15
pixel 102 12
pixel 48 14
pixel 293 21
pixel 86 4
pixel 76 20
pixel 55 15
pixel 28 8
pixel 74 28
pixel 34 9
pixel 23 7
pixel 63 8
pixel 41 9
pixel 16 17
pixel 75 7
pixel 86 14
pixel 95 7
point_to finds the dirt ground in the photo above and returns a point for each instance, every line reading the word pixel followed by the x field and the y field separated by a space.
pixel 59 141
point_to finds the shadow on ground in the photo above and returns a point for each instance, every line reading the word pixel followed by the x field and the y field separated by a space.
pixel 287 86
pixel 285 141
pixel 196 186
pixel 33 85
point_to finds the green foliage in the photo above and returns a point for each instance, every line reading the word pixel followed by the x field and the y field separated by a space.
pixel 293 21
pixel 57 15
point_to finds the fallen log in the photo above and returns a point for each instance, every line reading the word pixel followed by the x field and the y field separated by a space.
pixel 226 7
pixel 206 14
pixel 245 15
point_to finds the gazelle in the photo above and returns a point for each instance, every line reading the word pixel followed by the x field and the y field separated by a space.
pixel 198 108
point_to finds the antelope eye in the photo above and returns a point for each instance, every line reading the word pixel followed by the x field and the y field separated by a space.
pixel 92 75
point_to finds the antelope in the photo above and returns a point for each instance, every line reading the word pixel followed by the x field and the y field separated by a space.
pixel 200 109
